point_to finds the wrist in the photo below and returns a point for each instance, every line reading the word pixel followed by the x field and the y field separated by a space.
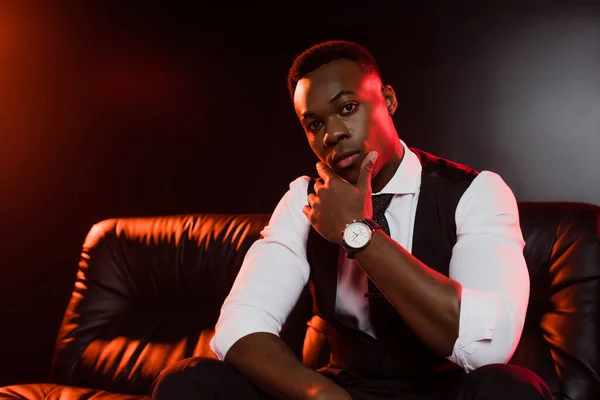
pixel 374 245
pixel 358 235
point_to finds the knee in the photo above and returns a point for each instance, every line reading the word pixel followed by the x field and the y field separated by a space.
pixel 504 381
pixel 195 374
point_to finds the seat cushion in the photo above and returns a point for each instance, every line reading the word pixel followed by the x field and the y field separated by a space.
pixel 48 391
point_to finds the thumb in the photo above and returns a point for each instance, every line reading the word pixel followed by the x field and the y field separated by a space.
pixel 366 170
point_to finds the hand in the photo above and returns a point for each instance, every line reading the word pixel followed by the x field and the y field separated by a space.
pixel 338 202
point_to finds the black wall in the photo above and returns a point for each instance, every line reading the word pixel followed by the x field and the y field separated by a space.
pixel 109 110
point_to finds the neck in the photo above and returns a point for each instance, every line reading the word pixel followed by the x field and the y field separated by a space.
pixel 388 170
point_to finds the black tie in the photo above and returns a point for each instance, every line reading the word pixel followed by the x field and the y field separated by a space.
pixel 380 204
pixel 378 304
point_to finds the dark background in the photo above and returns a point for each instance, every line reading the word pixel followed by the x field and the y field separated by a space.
pixel 111 109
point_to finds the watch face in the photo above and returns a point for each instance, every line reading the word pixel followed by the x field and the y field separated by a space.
pixel 357 234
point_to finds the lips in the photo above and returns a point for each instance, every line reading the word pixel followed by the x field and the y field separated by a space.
pixel 346 159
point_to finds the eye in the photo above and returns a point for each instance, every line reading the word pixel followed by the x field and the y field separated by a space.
pixel 314 126
pixel 348 109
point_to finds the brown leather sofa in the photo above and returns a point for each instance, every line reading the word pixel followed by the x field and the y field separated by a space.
pixel 149 290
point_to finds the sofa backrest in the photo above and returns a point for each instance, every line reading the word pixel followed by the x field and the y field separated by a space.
pixel 149 290
pixel 561 337
pixel 148 293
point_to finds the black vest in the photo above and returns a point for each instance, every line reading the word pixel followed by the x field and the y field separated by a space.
pixel 442 184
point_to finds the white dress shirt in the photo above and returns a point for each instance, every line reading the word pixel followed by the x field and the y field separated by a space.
pixel 487 260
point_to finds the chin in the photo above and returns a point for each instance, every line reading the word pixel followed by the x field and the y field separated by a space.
pixel 349 174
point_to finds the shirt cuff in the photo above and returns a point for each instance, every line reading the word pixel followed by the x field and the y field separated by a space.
pixel 478 319
pixel 243 322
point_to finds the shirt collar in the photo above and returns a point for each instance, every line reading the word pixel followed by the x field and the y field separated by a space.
pixel 407 178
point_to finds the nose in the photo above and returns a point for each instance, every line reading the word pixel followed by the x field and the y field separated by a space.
pixel 334 132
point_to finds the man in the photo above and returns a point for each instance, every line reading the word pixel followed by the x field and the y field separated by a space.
pixel 415 263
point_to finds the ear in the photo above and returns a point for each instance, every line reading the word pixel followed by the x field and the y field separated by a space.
pixel 389 96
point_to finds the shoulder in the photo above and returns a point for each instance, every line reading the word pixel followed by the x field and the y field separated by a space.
pixel 488 195
pixel 300 184
pixel 491 188
pixel 296 193
pixel 288 222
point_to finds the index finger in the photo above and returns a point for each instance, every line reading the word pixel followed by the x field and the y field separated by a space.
pixel 325 172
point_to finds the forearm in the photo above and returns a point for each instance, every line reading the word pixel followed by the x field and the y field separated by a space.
pixel 428 301
pixel 269 363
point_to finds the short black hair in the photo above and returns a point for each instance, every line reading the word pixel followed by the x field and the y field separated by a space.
pixel 325 52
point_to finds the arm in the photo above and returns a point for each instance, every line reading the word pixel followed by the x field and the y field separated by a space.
pixel 488 262
pixel 475 316
pixel 269 283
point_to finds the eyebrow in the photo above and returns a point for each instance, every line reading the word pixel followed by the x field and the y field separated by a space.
pixel 339 94
pixel 333 99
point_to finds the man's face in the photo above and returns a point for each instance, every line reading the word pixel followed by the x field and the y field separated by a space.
pixel 346 113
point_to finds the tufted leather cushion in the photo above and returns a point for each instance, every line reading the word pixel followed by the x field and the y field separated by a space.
pixel 148 293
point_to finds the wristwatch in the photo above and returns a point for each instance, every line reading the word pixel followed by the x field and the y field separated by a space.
pixel 357 235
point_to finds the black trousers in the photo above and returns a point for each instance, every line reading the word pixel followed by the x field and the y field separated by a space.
pixel 208 379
